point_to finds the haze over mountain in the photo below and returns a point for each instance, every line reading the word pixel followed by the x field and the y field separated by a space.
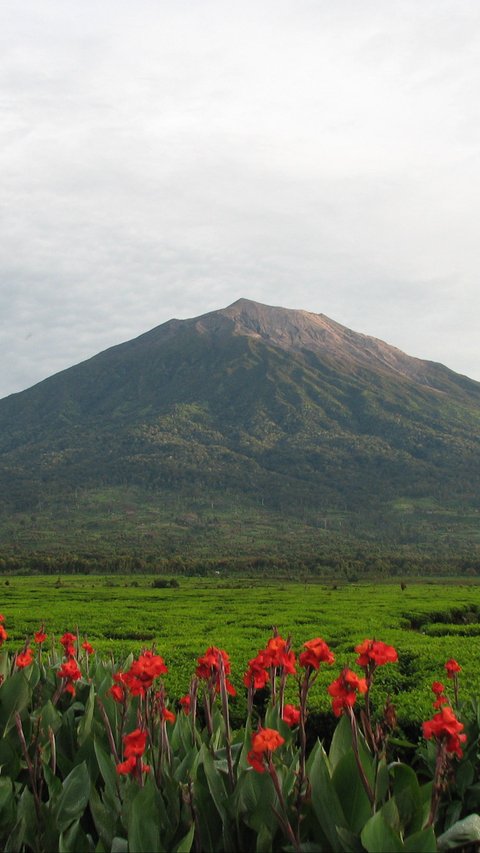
pixel 247 409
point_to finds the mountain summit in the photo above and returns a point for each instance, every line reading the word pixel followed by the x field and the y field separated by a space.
pixel 246 409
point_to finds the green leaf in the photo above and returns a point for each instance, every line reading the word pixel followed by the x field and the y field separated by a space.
pixel 421 842
pixel 325 801
pixel 14 697
pixel 85 724
pixel 119 845
pixel 74 840
pixel 350 791
pixel 382 782
pixel 106 766
pixel 406 792
pixel 185 845
pixel 215 782
pixel 378 837
pixel 74 797
pixel 104 818
pixel 143 830
pixel 341 741
pixel 7 805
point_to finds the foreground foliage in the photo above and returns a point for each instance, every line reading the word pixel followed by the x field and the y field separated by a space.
pixel 94 756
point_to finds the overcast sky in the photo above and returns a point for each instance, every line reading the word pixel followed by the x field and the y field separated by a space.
pixel 162 159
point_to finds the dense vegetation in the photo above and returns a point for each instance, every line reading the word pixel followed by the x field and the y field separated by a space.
pixel 96 756
pixel 216 438
pixel 430 622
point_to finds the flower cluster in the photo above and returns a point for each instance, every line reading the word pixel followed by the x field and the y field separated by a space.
pixel 264 742
pixel 344 691
pixel 134 745
pixel 373 653
pixel 446 729
pixel 317 652
pixel 209 668
pixel 139 678
pixel 277 655
pixel 3 633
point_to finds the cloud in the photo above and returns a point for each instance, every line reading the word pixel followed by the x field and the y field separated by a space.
pixel 163 159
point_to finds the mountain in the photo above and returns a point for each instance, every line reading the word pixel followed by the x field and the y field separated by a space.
pixel 247 418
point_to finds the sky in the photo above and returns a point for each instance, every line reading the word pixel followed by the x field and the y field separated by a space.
pixel 163 159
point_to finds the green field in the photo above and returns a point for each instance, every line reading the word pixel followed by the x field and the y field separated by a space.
pixel 427 623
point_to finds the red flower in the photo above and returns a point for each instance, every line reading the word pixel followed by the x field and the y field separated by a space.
pixel 88 648
pixel 117 692
pixel 186 702
pixel 376 653
pixel 24 658
pixel 317 653
pixel 264 742
pixel 344 690
pixel 452 667
pixel 67 642
pixel 257 675
pixel 445 727
pixel 130 766
pixel 291 715
pixel 40 636
pixel 69 670
pixel 142 673
pixel 2 617
pixel 278 654
pixel 168 715
pixel 3 634
pixel 135 743
pixel 438 688
pixel 209 668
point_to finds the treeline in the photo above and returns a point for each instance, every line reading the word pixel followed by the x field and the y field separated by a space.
pixel 343 567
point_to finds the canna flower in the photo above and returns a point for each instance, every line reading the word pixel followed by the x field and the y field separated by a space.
pixel 446 729
pixel 70 671
pixel 291 715
pixel 279 655
pixel 88 648
pixel 40 636
pixel 257 674
pixel 24 659
pixel 452 667
pixel 142 673
pixel 344 690
pixel 117 692
pixel 440 699
pixel 373 653
pixel 135 743
pixel 3 634
pixel 264 742
pixel 168 715
pixel 317 652
pixel 209 668
pixel 186 702
pixel 67 642
pixel 130 766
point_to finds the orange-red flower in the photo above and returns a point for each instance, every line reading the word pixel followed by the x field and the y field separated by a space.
pixel 278 655
pixel 438 688
pixel 209 668
pixel 70 671
pixel 88 648
pixel 24 658
pixel 168 715
pixel 375 653
pixel 3 634
pixel 185 702
pixel 317 652
pixel 135 743
pixel 67 642
pixel 291 715
pixel 142 673
pixel 452 667
pixel 257 674
pixel 40 636
pixel 130 766
pixel 445 727
pixel 264 742
pixel 344 690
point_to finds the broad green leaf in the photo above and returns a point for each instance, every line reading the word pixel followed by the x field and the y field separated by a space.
pixel 382 782
pixel 325 801
pixel 74 797
pixel 143 829
pixel 378 837
pixel 104 818
pixel 85 724
pixel 421 842
pixel 14 697
pixel 74 840
pixel 350 791
pixel 406 791
pixel 107 768
pixel 185 845
pixel 341 741
pixel 7 805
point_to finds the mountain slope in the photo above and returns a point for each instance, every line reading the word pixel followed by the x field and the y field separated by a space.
pixel 249 405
